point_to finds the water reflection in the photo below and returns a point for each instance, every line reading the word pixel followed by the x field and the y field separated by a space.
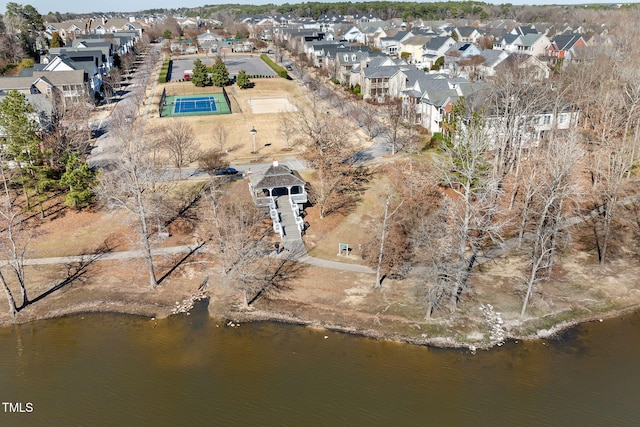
pixel 114 370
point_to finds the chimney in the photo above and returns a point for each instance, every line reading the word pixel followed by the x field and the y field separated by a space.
pixel 275 162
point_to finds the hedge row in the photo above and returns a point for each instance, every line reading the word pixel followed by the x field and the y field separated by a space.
pixel 164 71
pixel 275 67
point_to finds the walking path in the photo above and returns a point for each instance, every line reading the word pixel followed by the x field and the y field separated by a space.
pixel 296 252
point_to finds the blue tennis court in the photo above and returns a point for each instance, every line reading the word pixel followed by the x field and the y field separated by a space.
pixel 194 105
pixel 201 104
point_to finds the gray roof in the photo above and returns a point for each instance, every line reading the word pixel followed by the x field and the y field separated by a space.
pixel 466 31
pixel 278 176
pixel 525 29
pixel 382 71
pixel 18 83
pixel 566 41
pixel 509 38
pixel 492 56
pixel 436 43
pixel 530 39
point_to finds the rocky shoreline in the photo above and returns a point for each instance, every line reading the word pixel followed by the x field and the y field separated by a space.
pixel 235 318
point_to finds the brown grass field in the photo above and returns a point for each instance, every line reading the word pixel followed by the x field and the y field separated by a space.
pixel 259 107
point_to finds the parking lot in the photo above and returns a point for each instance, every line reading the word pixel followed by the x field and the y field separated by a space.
pixel 252 64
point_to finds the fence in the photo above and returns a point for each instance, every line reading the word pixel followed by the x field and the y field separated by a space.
pixel 226 98
pixel 163 99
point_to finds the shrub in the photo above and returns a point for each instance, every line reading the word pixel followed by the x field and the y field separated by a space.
pixel 275 67
pixel 164 71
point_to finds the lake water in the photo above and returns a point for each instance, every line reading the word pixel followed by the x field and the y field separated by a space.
pixel 114 370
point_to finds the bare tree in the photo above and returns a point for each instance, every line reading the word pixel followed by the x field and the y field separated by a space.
pixel 287 128
pixel 178 140
pixel 68 130
pixel 472 199
pixel 134 184
pixel 389 210
pixel 13 244
pixel 393 129
pixel 556 185
pixel 240 237
pixel 614 144
pixel 220 137
pixel 212 160
pixel 367 114
pixel 512 107
pixel 111 84
pixel 329 151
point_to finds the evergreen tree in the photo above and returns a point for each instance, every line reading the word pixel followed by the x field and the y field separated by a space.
pixel 80 180
pixel 200 76
pixel 22 141
pixel 243 80
pixel 220 74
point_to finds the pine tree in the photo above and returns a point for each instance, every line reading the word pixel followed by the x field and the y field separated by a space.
pixel 80 180
pixel 200 76
pixel 220 74
pixel 22 141
pixel 243 80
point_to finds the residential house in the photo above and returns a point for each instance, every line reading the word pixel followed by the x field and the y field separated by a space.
pixel 68 84
pixel 531 67
pixel 507 42
pixel 534 44
pixel 188 22
pixel 467 34
pixel 373 60
pixel 364 19
pixel 106 47
pixel 122 41
pixel 492 58
pixel 434 49
pixel 428 101
pixel 118 25
pixel 530 44
pixel 329 22
pixel 382 83
pixel 354 35
pixel 563 46
pixel 459 52
pixel 523 30
pixel 413 48
pixel 340 60
pixel 87 61
pixel 391 45
pixel 373 34
pixel 531 129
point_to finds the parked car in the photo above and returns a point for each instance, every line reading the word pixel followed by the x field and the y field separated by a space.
pixel 227 171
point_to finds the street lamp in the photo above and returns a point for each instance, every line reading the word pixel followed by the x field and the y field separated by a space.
pixel 253 134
